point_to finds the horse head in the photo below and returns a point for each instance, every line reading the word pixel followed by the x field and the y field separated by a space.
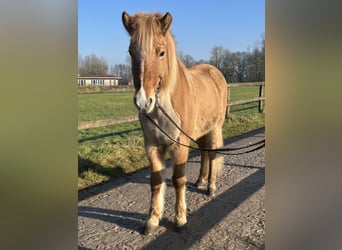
pixel 150 51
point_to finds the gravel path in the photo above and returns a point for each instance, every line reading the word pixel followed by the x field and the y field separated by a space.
pixel 112 215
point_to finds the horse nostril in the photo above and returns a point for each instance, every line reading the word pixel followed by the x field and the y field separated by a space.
pixel 151 101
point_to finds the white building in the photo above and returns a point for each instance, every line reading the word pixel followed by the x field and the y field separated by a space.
pixel 105 80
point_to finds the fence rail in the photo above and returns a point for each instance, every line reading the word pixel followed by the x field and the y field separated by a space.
pixel 106 122
pixel 113 121
pixel 259 99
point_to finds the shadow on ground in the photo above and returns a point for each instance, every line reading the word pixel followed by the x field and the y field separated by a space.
pixel 103 187
pixel 90 138
pixel 129 220
pixel 199 223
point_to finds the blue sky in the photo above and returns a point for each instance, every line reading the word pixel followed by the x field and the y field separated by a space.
pixel 197 25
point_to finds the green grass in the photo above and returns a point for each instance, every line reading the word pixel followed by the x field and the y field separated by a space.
pixel 112 151
pixel 105 105
pixel 245 92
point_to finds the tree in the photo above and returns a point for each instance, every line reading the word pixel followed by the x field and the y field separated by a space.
pixel 201 61
pixel 256 64
pixel 217 57
pixel 92 65
pixel 228 65
pixel 240 66
pixel 80 62
pixel 186 59
pixel 123 70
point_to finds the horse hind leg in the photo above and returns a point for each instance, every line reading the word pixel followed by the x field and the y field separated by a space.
pixel 215 161
pixel 202 180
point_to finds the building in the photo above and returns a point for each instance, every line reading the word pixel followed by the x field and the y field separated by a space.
pixel 104 80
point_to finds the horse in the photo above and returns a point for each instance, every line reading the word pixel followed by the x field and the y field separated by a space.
pixel 195 98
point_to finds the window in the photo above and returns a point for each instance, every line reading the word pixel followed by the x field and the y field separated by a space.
pixel 81 82
pixel 97 82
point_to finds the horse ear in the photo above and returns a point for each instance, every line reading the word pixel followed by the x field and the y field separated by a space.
pixel 165 22
pixel 127 21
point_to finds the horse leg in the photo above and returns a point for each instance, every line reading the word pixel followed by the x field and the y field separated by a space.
pixel 215 163
pixel 204 171
pixel 180 157
pixel 155 155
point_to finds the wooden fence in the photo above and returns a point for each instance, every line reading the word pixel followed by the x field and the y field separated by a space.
pixel 259 99
pixel 108 122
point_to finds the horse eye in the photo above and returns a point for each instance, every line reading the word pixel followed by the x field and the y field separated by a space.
pixel 161 54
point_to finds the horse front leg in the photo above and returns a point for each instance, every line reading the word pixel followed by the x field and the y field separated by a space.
pixel 179 181
pixel 155 155
pixel 180 158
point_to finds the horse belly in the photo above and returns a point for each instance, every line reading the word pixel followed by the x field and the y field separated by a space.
pixel 210 114
pixel 209 99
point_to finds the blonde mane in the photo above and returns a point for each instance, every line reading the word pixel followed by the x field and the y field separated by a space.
pixel 146 28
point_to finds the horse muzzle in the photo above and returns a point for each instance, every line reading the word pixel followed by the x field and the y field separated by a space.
pixel 142 102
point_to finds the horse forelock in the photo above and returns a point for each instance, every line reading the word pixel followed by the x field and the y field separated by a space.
pixel 146 29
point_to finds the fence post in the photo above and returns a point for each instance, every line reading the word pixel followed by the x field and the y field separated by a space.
pixel 261 106
pixel 228 101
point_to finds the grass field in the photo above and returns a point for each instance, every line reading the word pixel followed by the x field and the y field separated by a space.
pixel 105 105
pixel 108 152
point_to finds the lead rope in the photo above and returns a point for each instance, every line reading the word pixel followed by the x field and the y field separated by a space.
pixel 260 144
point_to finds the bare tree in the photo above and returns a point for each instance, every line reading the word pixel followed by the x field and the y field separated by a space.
pixel 123 70
pixel 80 62
pixel 240 66
pixel 186 59
pixel 92 65
pixel 201 61
pixel 256 65
pixel 217 57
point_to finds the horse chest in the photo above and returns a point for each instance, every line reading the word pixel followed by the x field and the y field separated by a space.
pixel 153 135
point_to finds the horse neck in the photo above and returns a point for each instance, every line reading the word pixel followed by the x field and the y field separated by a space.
pixel 176 73
pixel 176 84
pixel 175 68
pixel 168 90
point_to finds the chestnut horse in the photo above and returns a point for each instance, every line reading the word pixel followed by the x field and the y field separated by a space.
pixel 195 98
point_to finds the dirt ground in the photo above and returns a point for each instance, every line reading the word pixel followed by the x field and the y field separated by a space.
pixel 112 215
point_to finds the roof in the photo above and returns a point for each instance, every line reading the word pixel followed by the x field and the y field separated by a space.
pixel 99 77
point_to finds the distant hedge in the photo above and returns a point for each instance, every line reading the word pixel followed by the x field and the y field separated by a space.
pixel 103 89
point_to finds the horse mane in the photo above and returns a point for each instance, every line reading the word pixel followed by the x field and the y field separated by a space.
pixel 146 27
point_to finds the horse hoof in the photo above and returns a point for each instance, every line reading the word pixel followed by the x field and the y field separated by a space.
pixel 201 185
pixel 180 229
pixel 149 229
pixel 211 192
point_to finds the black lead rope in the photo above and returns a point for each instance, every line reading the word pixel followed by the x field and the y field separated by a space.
pixel 224 151
pixel 259 144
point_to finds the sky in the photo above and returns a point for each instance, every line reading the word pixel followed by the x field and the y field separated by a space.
pixel 197 25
